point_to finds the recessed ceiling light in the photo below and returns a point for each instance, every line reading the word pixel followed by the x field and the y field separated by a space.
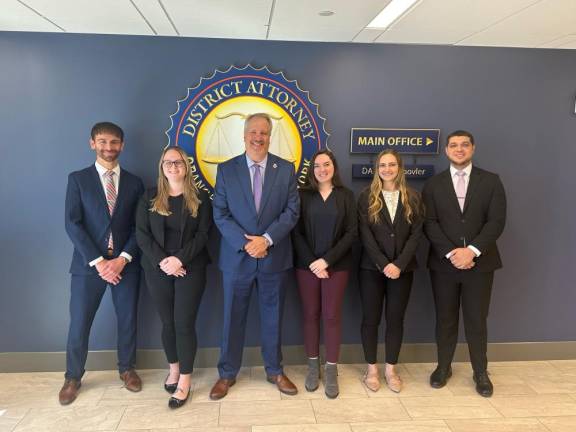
pixel 391 13
pixel 326 13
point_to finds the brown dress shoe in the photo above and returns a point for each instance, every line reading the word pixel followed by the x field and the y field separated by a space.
pixel 131 380
pixel 283 383
pixel 69 391
pixel 221 387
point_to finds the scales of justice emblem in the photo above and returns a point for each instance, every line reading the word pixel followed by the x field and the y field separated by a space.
pixel 209 121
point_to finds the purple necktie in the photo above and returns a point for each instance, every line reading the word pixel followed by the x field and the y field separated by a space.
pixel 257 187
pixel 461 188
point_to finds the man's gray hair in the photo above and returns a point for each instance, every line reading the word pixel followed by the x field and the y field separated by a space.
pixel 257 115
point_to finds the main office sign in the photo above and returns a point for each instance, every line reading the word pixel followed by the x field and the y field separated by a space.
pixel 209 121
pixel 407 141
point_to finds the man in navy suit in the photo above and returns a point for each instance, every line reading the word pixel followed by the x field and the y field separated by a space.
pixel 465 215
pixel 256 205
pixel 100 208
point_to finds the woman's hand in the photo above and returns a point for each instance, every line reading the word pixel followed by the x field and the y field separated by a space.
pixel 170 265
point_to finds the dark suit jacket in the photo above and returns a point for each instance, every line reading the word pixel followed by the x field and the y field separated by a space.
pixel 150 229
pixel 88 222
pixel 388 242
pixel 235 214
pixel 339 257
pixel 479 225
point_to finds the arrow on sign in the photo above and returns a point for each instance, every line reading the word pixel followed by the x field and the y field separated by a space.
pixel 429 141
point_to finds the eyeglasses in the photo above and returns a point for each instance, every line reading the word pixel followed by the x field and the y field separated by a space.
pixel 175 163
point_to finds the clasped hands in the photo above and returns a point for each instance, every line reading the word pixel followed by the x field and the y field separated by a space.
pixel 110 269
pixel 319 268
pixel 172 266
pixel 257 246
pixel 391 271
pixel 462 258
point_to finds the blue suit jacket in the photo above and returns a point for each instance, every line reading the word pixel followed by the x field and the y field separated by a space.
pixel 88 221
pixel 235 214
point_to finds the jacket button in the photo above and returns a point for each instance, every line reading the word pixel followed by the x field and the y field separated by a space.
pixel 463 220
pixel 392 235
pixel 461 238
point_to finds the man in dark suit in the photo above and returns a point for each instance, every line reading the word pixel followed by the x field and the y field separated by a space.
pixel 465 215
pixel 256 205
pixel 100 208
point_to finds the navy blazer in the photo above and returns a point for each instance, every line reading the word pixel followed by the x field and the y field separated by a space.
pixel 388 242
pixel 235 214
pixel 88 221
pixel 480 224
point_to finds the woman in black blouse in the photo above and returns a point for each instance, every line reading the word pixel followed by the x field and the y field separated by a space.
pixel 323 241
pixel 390 218
pixel 172 224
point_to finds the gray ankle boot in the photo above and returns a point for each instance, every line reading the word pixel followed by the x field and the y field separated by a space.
pixel 313 375
pixel 331 381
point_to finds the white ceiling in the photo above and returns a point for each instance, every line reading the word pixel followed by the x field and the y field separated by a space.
pixel 510 23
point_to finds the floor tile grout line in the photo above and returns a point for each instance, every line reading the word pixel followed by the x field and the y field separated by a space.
pixel 543 424
pixel 121 418
pixel 20 419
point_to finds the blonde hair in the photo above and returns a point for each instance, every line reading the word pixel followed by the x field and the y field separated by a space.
pixel 159 203
pixel 410 200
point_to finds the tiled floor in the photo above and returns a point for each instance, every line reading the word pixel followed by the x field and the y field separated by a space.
pixel 529 397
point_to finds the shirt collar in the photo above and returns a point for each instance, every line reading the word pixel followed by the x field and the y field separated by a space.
pixel 101 170
pixel 251 163
pixel 467 170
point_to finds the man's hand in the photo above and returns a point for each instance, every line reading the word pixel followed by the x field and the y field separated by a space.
pixel 110 270
pixel 170 265
pixel 391 271
pixel 257 246
pixel 462 258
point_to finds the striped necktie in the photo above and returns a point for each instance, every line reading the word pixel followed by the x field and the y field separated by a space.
pixel 110 199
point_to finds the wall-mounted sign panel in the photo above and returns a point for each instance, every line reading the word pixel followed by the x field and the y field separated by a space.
pixel 414 172
pixel 407 141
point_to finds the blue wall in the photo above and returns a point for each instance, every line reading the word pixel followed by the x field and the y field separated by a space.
pixel 518 102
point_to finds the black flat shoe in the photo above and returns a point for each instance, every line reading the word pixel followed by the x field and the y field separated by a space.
pixel 170 388
pixel 440 376
pixel 177 403
pixel 484 386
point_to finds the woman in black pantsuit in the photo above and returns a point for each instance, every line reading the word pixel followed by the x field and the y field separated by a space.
pixel 390 221
pixel 172 224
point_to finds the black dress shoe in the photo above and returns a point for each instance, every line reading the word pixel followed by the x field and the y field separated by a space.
pixel 484 386
pixel 440 376
pixel 177 403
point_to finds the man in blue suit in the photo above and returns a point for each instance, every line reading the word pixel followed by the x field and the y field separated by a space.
pixel 101 202
pixel 256 205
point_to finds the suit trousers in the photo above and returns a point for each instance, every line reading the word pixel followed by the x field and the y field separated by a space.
pixel 375 288
pixel 86 294
pixel 270 288
pixel 322 297
pixel 177 300
pixel 473 291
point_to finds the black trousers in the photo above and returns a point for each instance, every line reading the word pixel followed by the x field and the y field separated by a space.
pixel 177 300
pixel 473 291
pixel 375 287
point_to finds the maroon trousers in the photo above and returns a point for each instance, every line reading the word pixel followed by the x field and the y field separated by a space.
pixel 322 298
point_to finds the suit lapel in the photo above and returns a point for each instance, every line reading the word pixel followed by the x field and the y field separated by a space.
pixel 399 210
pixel 269 180
pixel 475 178
pixel 449 186
pixel 100 190
pixel 243 175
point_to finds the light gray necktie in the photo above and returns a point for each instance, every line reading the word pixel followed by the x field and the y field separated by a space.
pixel 461 188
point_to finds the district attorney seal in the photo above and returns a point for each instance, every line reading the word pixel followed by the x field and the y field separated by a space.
pixel 209 121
